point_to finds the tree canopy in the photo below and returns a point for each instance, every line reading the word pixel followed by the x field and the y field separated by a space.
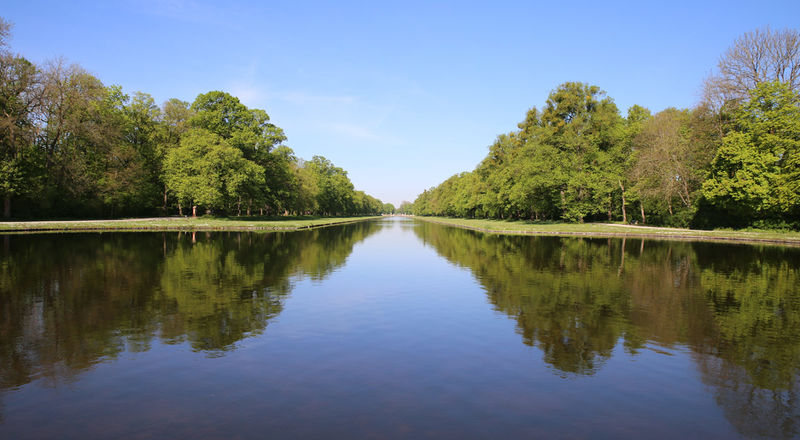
pixel 71 146
pixel 733 160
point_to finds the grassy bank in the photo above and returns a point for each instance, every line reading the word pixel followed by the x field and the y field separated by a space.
pixel 181 224
pixel 616 230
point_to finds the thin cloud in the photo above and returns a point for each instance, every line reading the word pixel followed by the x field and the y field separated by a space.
pixel 253 93
pixel 250 94
pixel 306 98
pixel 361 133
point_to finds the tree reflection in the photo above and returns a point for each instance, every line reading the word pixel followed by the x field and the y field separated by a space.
pixel 737 307
pixel 70 301
pixel 561 293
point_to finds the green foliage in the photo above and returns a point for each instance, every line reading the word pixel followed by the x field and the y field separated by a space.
pixel 18 89
pixel 754 173
pixel 206 171
pixel 578 160
pixel 71 146
pixel 564 162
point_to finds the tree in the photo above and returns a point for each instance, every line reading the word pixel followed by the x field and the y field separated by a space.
pixel 220 113
pixel 282 183
pixel 637 117
pixel 756 57
pixel 248 130
pixel 80 125
pixel 132 176
pixel 204 170
pixel 567 162
pixel 754 173
pixel 334 189
pixel 175 116
pixel 72 146
pixel 5 32
pixel 20 90
pixel 126 157
pixel 405 207
pixel 583 125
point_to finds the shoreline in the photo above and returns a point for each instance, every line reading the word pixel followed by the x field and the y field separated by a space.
pixel 158 224
pixel 605 230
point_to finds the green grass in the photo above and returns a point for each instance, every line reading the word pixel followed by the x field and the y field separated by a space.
pixel 181 223
pixel 616 230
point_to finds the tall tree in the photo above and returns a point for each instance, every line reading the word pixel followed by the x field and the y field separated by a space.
pixel 248 130
pixel 206 171
pixel 583 125
pixel 754 173
pixel 79 123
pixel 637 117
pixel 20 92
pixel 763 55
pixel 175 116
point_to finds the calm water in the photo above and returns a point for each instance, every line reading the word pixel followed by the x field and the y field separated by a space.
pixel 395 329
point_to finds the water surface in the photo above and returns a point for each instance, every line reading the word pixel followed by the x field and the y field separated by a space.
pixel 395 329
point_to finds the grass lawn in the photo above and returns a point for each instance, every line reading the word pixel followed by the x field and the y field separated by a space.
pixel 616 230
pixel 181 223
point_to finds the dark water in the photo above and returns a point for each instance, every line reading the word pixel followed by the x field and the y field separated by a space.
pixel 395 329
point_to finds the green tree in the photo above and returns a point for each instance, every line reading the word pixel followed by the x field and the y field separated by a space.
pixel 175 116
pixel 204 170
pixel 19 100
pixel 334 191
pixel 251 132
pixel 570 153
pixel 637 118
pixel 753 174
pixel 127 178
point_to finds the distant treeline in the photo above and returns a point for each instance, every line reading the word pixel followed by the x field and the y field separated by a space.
pixel 73 147
pixel 734 160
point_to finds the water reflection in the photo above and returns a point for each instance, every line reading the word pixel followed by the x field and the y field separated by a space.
pixel 641 335
pixel 71 302
pixel 737 308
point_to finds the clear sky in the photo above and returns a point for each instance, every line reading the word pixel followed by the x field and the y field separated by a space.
pixel 401 94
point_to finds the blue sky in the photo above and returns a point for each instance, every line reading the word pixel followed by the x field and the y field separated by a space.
pixel 400 94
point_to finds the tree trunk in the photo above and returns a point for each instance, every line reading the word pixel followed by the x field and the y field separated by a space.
pixel 194 210
pixel 688 197
pixel 249 204
pixel 641 206
pixel 164 208
pixel 180 209
pixel 624 212
pixel 7 206
pixel 669 206
pixel 239 207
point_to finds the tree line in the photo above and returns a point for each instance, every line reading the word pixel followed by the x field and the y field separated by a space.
pixel 71 146
pixel 733 160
